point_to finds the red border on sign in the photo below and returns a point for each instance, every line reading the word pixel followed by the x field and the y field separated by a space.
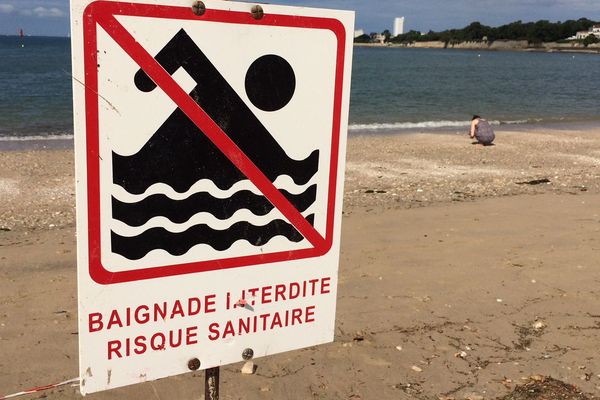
pixel 103 13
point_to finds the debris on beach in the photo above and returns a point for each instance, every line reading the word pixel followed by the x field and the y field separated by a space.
pixel 535 182
pixel 546 388
pixel 461 196
pixel 474 396
pixel 249 368
pixel 409 388
pixel 359 337
pixel 538 325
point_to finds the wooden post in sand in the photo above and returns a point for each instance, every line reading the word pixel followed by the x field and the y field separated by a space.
pixel 211 384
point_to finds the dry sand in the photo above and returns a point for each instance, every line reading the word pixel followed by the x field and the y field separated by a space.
pixel 458 279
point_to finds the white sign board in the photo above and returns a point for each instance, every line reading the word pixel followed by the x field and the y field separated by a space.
pixel 210 154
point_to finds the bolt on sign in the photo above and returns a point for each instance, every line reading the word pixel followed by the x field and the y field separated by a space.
pixel 210 144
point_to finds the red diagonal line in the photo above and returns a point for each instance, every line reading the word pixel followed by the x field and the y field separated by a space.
pixel 203 121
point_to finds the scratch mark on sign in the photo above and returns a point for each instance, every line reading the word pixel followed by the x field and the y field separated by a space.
pixel 99 95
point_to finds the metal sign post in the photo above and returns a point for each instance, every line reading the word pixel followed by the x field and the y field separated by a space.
pixel 211 383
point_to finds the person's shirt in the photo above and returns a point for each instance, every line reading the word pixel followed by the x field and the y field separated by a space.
pixel 484 132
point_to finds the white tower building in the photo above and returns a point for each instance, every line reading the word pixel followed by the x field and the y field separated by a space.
pixel 398 26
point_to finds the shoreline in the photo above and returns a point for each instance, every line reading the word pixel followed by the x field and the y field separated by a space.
pixel 417 170
pixel 38 142
pixel 502 126
pixel 475 46
pixel 384 171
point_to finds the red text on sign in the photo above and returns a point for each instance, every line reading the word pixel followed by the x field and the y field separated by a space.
pixel 144 314
pixel 261 323
pixel 156 342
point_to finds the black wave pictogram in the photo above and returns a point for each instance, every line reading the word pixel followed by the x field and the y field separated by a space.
pixel 177 244
pixel 180 211
pixel 179 154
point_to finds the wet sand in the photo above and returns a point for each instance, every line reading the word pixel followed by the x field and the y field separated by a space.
pixel 465 270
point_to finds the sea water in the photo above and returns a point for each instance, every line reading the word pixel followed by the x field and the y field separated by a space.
pixel 399 88
pixel 35 87
pixel 393 89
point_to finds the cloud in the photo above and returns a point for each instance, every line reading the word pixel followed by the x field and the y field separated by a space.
pixel 6 8
pixel 43 12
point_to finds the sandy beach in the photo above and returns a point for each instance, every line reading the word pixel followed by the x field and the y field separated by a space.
pixel 465 271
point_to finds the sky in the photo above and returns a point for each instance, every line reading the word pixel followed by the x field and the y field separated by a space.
pixel 51 17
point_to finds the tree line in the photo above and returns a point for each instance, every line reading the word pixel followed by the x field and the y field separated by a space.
pixel 533 32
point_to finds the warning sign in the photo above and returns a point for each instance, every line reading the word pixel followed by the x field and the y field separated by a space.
pixel 210 151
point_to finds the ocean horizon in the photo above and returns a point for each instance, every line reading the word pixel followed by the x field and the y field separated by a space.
pixel 394 90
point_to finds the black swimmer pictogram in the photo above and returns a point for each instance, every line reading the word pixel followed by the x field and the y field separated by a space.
pixel 180 155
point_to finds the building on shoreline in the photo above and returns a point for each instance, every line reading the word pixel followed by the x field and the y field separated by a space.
pixel 594 30
pixel 378 38
pixel 398 26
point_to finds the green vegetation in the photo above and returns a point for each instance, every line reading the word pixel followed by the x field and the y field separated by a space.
pixel 362 39
pixel 590 40
pixel 387 34
pixel 409 37
pixel 533 32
